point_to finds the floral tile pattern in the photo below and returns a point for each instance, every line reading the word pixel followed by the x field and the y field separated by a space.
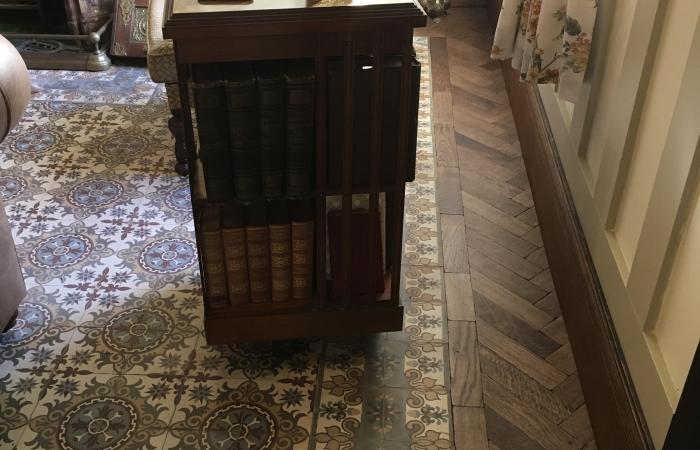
pixel 109 350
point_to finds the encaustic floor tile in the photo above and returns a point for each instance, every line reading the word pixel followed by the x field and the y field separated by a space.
pixel 88 411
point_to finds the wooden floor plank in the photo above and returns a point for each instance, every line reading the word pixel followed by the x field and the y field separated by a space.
pixel 454 243
pixel 490 193
pixel 442 108
pixel 464 364
pixel 503 435
pixel 439 65
pixel 505 277
pixel 533 235
pixel 539 429
pixel 506 299
pixel 529 216
pixel 569 391
pixel 550 304
pixel 538 258
pixel 557 331
pixel 495 215
pixel 506 258
pixel 544 280
pixel 497 233
pixel 449 190
pixel 525 198
pixel 470 428
pixel 563 359
pixel 513 327
pixel 579 425
pixel 542 400
pixel 513 352
pixel 459 298
pixel 445 146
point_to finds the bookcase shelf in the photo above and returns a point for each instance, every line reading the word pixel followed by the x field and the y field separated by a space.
pixel 365 31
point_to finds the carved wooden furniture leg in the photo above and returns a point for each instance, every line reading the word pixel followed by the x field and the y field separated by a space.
pixel 176 128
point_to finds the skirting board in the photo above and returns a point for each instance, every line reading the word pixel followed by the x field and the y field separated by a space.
pixel 616 416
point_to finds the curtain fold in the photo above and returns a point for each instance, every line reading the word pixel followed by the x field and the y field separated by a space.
pixel 548 41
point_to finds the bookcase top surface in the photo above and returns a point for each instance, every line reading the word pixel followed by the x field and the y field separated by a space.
pixel 186 14
pixel 233 6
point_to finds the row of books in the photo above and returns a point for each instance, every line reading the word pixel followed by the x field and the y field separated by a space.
pixel 258 253
pixel 256 126
pixel 264 252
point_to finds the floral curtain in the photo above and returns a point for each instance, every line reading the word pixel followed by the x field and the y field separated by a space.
pixel 548 41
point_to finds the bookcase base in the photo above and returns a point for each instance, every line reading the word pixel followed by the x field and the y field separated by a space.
pixel 317 323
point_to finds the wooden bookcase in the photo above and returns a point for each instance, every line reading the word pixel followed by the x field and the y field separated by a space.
pixel 284 29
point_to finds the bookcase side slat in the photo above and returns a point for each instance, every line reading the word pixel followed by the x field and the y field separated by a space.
pixel 348 116
pixel 401 155
pixel 321 157
pixel 377 95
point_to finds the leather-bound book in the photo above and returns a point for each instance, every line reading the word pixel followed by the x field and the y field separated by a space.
pixel 271 94
pixel 212 127
pixel 362 116
pixel 365 277
pixel 233 237
pixel 302 212
pixel 257 233
pixel 242 111
pixel 300 90
pixel 213 258
pixel 280 250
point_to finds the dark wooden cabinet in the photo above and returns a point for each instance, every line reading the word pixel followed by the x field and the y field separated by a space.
pixel 205 32
pixel 129 28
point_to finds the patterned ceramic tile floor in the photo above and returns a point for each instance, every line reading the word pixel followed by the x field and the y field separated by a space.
pixel 109 351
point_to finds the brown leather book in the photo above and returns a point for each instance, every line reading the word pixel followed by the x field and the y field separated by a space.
pixel 213 258
pixel 233 237
pixel 280 250
pixel 365 276
pixel 257 232
pixel 302 249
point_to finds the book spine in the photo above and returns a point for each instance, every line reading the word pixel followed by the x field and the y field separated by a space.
pixel 300 131
pixel 210 107
pixel 302 259
pixel 258 247
pixel 234 242
pixel 243 137
pixel 280 262
pixel 213 261
pixel 272 129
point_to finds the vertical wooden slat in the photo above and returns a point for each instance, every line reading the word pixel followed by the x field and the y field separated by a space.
pixel 375 150
pixel 349 72
pixel 399 192
pixel 183 76
pixel 320 128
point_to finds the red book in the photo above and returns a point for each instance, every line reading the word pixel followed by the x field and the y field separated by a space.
pixel 366 276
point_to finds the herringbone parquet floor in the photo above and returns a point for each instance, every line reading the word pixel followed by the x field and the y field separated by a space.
pixel 514 381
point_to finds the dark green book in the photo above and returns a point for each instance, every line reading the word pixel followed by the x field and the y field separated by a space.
pixel 212 127
pixel 271 94
pixel 242 111
pixel 300 90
